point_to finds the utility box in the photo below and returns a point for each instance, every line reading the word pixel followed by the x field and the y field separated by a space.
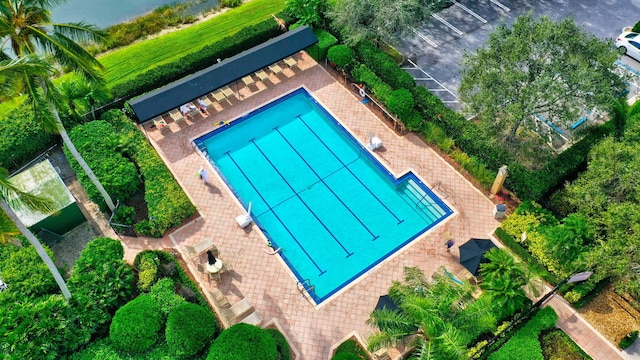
pixel 500 211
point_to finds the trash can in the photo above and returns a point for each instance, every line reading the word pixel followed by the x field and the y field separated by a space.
pixel 500 211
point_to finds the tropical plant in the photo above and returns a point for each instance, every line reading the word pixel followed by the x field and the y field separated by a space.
pixel 439 318
pixel 309 12
pixel 26 27
pixel 504 281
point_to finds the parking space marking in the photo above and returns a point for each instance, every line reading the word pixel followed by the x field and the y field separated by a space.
pixel 501 6
pixel 423 37
pixel 431 78
pixel 470 12
pixel 437 17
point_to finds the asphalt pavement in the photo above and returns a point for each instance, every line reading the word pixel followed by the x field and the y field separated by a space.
pixel 435 48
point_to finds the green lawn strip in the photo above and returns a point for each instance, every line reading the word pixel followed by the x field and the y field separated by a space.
pixel 125 64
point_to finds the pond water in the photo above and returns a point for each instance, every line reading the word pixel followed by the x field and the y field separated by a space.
pixel 104 13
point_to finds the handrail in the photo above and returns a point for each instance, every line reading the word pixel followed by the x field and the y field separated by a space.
pixel 362 90
pixel 305 288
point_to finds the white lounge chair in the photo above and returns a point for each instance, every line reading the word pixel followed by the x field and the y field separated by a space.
pixel 275 68
pixel 291 62
pixel 200 248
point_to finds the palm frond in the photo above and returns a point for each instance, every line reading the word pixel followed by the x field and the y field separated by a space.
pixel 18 199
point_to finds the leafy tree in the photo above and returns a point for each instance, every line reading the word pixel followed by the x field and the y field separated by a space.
pixel 243 342
pixel 537 66
pixel 190 328
pixel 440 317
pixel 26 26
pixel 378 19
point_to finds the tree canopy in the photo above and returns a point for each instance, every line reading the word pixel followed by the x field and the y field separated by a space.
pixel 536 66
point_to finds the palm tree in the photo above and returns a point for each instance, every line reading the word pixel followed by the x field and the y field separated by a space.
pixel 438 318
pixel 10 195
pixel 14 76
pixel 26 27
pixel 505 281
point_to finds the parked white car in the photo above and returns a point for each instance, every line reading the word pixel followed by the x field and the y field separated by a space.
pixel 628 43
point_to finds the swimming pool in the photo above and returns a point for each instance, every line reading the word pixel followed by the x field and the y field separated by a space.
pixel 317 193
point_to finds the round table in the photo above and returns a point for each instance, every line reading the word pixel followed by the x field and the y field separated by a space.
pixel 216 267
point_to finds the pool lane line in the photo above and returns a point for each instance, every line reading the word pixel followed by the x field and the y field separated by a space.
pixel 228 153
pixel 300 198
pixel 349 170
pixel 327 185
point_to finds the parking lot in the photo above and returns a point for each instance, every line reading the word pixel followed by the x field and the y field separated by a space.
pixel 435 48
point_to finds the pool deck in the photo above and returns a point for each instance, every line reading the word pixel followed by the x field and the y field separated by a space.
pixel 263 278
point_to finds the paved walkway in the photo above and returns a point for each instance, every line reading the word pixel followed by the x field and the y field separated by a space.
pixel 264 279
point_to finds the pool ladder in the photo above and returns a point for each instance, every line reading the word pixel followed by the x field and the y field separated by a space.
pixel 305 288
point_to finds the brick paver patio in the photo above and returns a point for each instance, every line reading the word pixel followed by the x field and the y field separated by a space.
pixel 264 279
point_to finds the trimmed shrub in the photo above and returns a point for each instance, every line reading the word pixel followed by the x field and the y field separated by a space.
pixel 231 3
pixel 524 344
pixel 325 40
pixel 167 203
pixel 164 294
pixel 99 144
pixel 282 346
pixel 135 326
pixel 147 272
pixel 401 103
pixel 190 328
pixel 636 27
pixel 350 349
pixel 363 74
pixel 626 341
pixel 243 342
pixel 341 55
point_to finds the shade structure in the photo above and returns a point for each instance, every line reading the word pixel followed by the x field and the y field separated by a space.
pixel 386 302
pixel 472 253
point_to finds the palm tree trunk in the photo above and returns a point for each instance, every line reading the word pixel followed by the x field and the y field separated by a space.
pixel 39 249
pixel 83 164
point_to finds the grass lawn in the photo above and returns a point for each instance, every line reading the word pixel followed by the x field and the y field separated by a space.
pixel 126 63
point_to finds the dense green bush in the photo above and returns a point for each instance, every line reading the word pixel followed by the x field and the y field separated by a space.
pixel 325 40
pixel 341 55
pixel 384 66
pixel 103 350
pixel 282 346
pixel 167 203
pixel 243 342
pixel 190 328
pixel 161 75
pixel 164 294
pixel 524 255
pixel 628 339
pixel 100 276
pixel 350 349
pixel 636 27
pixel 135 326
pixel 169 268
pixel 100 146
pixel 524 345
pixel 22 138
pixel 43 328
pixel 556 344
pixel 125 215
pixel 231 3
pixel 372 82
pixel 26 273
pixel 401 103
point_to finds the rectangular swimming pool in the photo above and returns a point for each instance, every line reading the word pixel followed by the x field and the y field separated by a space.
pixel 317 193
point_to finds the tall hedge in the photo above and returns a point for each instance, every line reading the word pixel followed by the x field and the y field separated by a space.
pixel 102 148
pixel 22 138
pixel 167 204
pixel 136 325
pixel 190 328
pixel 524 345
pixel 243 342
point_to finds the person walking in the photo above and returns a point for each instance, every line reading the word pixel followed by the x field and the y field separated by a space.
pixel 203 175
pixel 449 244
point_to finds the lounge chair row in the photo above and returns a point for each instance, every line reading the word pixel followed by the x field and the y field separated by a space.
pixel 240 312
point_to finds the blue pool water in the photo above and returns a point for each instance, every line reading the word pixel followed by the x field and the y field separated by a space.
pixel 317 193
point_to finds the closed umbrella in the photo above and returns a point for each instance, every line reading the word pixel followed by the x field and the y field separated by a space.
pixel 472 253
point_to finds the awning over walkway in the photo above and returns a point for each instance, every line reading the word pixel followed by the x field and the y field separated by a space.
pixel 225 72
